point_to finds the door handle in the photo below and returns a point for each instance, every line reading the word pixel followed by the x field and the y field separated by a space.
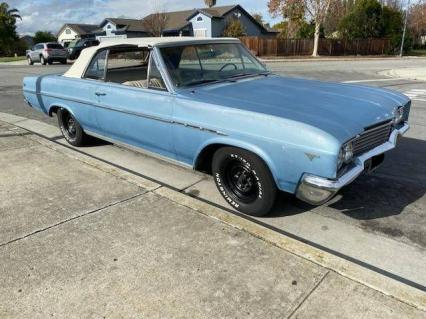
pixel 100 93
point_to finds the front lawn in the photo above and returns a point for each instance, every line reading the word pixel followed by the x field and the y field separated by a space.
pixel 12 58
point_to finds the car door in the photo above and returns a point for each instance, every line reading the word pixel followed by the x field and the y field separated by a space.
pixel 138 112
pixel 79 93
pixel 35 54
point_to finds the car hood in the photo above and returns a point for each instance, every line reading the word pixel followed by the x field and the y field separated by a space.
pixel 341 110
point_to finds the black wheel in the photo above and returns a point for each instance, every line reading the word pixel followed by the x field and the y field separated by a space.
pixel 42 60
pixel 30 62
pixel 64 61
pixel 50 62
pixel 70 128
pixel 244 180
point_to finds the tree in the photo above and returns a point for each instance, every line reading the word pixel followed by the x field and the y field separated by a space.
pixel 210 3
pixel 364 21
pixel 337 11
pixel 369 19
pixel 293 13
pixel 155 23
pixel 8 35
pixel 316 9
pixel 281 27
pixel 234 29
pixel 258 17
pixel 307 30
pixel 44 36
pixel 417 21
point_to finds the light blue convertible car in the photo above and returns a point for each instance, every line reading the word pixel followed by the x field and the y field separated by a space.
pixel 210 104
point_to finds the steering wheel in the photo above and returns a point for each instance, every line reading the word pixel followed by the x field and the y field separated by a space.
pixel 228 64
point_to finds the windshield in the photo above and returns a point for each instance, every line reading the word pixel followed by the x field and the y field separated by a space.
pixel 74 43
pixel 205 63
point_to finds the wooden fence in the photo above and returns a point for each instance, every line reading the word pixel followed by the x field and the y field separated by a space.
pixel 262 46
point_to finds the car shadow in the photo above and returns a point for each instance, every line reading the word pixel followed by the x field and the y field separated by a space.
pixel 94 142
pixel 399 182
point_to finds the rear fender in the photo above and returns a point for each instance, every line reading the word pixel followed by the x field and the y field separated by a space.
pixel 57 105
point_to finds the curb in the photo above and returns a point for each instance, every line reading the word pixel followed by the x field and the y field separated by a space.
pixel 367 277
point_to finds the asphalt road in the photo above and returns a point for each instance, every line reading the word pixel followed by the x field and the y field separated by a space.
pixel 379 220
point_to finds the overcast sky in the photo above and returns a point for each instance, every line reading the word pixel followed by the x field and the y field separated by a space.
pixel 52 14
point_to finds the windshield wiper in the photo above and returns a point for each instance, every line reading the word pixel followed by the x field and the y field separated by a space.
pixel 205 81
pixel 241 75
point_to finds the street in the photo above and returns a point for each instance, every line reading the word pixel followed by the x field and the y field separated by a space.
pixel 377 223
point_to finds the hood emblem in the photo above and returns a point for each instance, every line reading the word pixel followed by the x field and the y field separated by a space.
pixel 311 156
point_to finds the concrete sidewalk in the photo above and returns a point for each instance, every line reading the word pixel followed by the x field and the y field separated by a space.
pixel 79 238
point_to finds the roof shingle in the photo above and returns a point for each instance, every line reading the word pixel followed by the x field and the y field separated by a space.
pixel 177 20
pixel 80 28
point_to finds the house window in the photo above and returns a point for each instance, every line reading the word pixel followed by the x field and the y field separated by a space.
pixel 200 18
pixel 67 31
pixel 108 26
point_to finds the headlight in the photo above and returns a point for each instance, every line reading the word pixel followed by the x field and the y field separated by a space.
pixel 345 155
pixel 398 115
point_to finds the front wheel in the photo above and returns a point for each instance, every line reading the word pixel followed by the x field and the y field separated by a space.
pixel 30 62
pixel 70 128
pixel 244 180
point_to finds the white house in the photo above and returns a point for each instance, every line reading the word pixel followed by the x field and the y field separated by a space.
pixel 71 31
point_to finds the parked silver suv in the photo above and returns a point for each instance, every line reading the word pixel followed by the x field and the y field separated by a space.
pixel 47 53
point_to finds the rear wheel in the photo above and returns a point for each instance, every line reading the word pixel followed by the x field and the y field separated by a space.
pixel 42 60
pixel 244 180
pixel 70 128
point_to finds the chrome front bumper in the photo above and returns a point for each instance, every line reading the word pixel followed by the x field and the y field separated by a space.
pixel 318 190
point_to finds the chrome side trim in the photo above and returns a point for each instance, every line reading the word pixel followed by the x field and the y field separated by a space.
pixel 147 116
pixel 333 185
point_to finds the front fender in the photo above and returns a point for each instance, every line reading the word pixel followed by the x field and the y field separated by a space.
pixel 287 162
pixel 240 144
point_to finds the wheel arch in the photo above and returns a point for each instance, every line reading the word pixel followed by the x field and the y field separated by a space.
pixel 203 159
pixel 54 107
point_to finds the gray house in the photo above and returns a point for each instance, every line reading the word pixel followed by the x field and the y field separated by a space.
pixel 211 22
pixel 120 28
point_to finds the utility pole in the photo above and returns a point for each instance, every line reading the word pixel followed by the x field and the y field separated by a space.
pixel 405 29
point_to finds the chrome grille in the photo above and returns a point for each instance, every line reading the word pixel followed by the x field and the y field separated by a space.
pixel 372 138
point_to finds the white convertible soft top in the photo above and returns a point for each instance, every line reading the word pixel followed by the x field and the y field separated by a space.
pixel 77 69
